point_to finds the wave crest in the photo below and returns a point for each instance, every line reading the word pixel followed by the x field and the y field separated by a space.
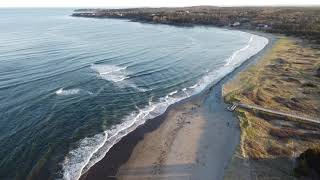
pixel 62 92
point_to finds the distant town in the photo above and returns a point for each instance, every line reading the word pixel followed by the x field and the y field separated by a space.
pixel 298 21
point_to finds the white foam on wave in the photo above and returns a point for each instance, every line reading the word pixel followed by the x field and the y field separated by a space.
pixel 185 90
pixel 62 92
pixel 67 92
pixel 173 93
pixel 194 86
pixel 79 158
pixel 232 58
pixel 91 150
pixel 255 44
pixel 115 74
pixel 111 73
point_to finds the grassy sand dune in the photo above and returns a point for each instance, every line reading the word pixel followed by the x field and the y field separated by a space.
pixel 286 79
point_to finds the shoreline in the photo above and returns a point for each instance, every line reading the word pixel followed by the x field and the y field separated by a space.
pixel 211 102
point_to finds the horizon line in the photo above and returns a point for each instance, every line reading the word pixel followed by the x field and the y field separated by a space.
pixel 120 7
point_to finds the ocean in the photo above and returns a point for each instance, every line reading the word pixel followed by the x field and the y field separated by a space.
pixel 70 88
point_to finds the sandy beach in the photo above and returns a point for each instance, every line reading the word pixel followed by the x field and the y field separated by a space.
pixel 185 144
pixel 194 139
pixel 169 151
pixel 137 91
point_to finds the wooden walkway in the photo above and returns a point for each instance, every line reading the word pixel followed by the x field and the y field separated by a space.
pixel 291 115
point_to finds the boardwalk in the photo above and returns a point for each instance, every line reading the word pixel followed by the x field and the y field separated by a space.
pixel 291 115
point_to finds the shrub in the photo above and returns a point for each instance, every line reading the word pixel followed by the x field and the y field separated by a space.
pixel 308 163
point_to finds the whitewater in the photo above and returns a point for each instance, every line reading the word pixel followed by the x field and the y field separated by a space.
pixel 71 88
pixel 92 149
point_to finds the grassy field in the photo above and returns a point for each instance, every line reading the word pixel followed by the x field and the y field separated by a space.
pixel 285 79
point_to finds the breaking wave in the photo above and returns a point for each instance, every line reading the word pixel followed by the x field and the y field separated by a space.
pixel 62 92
pixel 237 53
pixel 67 92
pixel 115 74
pixel 111 73
pixel 92 149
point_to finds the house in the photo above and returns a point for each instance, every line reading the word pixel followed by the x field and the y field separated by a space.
pixel 235 24
pixel 263 27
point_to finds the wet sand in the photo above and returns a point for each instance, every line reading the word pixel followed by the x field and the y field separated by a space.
pixel 194 139
pixel 171 150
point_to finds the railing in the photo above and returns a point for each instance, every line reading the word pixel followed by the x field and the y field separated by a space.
pixel 291 115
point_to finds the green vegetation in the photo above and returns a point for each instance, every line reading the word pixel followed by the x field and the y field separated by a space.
pixel 231 97
pixel 308 163
pixel 318 70
pixel 298 21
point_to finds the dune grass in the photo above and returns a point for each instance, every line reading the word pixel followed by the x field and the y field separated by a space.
pixel 285 79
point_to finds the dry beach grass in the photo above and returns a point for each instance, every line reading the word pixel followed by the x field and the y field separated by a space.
pixel 286 79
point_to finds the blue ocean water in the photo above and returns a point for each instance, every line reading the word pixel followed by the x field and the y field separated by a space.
pixel 70 88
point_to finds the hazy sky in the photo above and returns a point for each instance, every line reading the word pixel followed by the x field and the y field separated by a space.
pixel 155 3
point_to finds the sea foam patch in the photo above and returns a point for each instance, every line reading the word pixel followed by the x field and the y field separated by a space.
pixel 115 74
pixel 111 73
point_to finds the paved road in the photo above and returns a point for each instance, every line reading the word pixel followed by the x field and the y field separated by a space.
pixel 303 118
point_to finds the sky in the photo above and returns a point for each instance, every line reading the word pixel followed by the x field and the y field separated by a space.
pixel 150 3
